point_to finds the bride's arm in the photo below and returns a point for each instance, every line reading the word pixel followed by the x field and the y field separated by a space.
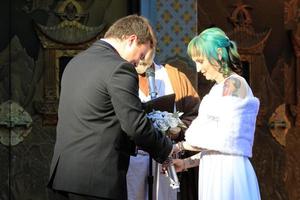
pixel 184 164
pixel 192 161
pixel 186 146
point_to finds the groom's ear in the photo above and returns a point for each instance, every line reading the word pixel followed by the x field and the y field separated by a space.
pixel 131 39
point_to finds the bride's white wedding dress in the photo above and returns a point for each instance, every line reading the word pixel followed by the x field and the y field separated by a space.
pixel 225 130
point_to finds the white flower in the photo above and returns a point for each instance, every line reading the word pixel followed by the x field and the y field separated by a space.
pixel 161 125
pixel 163 120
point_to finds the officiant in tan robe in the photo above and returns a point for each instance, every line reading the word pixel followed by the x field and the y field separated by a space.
pixel 168 80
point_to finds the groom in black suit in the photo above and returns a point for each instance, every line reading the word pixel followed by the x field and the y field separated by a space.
pixel 100 117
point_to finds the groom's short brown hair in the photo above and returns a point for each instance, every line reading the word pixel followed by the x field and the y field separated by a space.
pixel 132 25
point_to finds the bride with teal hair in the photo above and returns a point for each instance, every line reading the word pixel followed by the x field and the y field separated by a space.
pixel 223 132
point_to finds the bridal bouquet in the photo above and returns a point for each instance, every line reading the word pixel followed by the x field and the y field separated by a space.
pixel 163 120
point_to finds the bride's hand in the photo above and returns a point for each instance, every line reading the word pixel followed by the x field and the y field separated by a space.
pixel 179 165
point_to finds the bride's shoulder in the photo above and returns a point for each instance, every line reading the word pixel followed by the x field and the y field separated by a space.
pixel 235 85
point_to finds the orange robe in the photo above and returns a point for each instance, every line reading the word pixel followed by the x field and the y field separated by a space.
pixel 186 96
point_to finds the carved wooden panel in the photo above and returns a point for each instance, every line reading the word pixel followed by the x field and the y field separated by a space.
pixel 62 42
pixel 292 79
pixel 293 137
pixel 292 174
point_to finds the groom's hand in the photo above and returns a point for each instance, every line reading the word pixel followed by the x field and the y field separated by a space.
pixel 175 150
pixel 174 132
pixel 166 164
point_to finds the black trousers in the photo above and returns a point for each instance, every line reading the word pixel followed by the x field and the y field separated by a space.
pixel 72 196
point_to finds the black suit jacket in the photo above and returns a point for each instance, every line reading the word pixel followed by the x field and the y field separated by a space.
pixel 99 117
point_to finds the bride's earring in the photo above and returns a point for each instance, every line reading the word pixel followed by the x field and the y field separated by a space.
pixel 220 57
pixel 220 54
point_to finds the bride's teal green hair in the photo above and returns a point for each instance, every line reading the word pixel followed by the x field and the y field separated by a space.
pixel 209 42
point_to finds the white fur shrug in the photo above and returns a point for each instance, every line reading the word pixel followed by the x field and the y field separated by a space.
pixel 225 124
